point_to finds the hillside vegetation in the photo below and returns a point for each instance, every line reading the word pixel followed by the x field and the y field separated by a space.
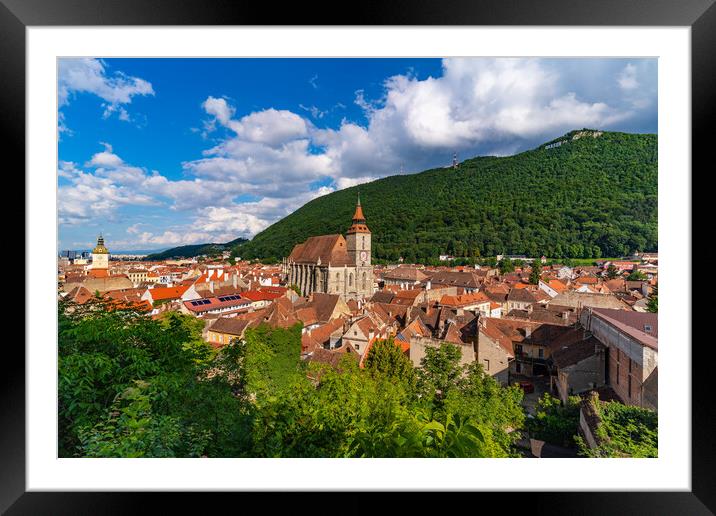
pixel 190 251
pixel 587 198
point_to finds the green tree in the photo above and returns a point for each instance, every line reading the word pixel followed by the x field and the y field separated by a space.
pixel 386 357
pixel 637 276
pixel 623 431
pixel 131 429
pixel 440 371
pixel 555 422
pixel 536 271
pixel 506 266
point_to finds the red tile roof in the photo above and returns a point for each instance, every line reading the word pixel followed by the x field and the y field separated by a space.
pixel 161 293
pixel 260 295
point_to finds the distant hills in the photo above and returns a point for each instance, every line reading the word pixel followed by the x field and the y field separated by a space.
pixel 190 251
pixel 586 194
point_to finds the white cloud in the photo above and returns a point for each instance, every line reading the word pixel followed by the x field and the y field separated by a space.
pixel 90 196
pixel 219 108
pixel 87 75
pixel 230 221
pixel 105 158
pixel 270 127
pixel 347 182
pixel 627 78
pixel 134 228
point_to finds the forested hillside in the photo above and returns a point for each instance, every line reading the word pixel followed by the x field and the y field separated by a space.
pixel 189 251
pixel 588 197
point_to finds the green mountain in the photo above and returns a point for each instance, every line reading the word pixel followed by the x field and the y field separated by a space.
pixel 190 251
pixel 586 197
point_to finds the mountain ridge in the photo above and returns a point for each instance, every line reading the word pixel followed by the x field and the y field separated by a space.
pixel 593 195
pixel 585 194
pixel 193 250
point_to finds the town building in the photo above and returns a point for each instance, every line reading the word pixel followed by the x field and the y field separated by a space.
pixel 332 264
pixel 631 365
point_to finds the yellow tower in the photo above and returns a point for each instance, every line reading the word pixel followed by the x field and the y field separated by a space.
pixel 100 255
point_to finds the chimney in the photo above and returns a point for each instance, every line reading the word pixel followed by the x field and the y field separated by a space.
pixel 211 286
pixel 528 332
pixel 235 278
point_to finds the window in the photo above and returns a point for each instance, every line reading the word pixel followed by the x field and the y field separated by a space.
pixel 350 279
pixel 629 386
pixel 541 353
pixel 487 364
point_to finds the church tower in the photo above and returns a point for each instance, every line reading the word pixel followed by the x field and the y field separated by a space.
pixel 100 255
pixel 359 249
pixel 358 239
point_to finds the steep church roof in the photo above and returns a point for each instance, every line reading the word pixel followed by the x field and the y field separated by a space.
pixel 330 249
pixel 359 225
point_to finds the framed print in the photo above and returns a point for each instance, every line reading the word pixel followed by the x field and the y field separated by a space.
pixel 408 253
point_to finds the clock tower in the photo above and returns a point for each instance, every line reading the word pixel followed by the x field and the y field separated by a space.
pixel 358 239
pixel 358 247
pixel 100 256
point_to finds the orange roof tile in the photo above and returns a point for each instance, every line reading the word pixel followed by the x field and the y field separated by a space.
pixel 161 293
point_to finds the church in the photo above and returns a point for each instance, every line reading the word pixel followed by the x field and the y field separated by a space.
pixel 332 264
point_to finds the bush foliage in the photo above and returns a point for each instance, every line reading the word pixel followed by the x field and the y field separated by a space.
pixel 130 386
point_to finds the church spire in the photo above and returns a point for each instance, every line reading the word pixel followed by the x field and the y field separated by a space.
pixel 358 215
pixel 358 225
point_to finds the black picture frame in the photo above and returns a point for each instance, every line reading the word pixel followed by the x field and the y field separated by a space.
pixel 17 15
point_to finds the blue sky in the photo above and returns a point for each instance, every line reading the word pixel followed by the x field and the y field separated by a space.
pixel 162 152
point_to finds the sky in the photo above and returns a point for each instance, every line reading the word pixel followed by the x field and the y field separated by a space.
pixel 156 153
